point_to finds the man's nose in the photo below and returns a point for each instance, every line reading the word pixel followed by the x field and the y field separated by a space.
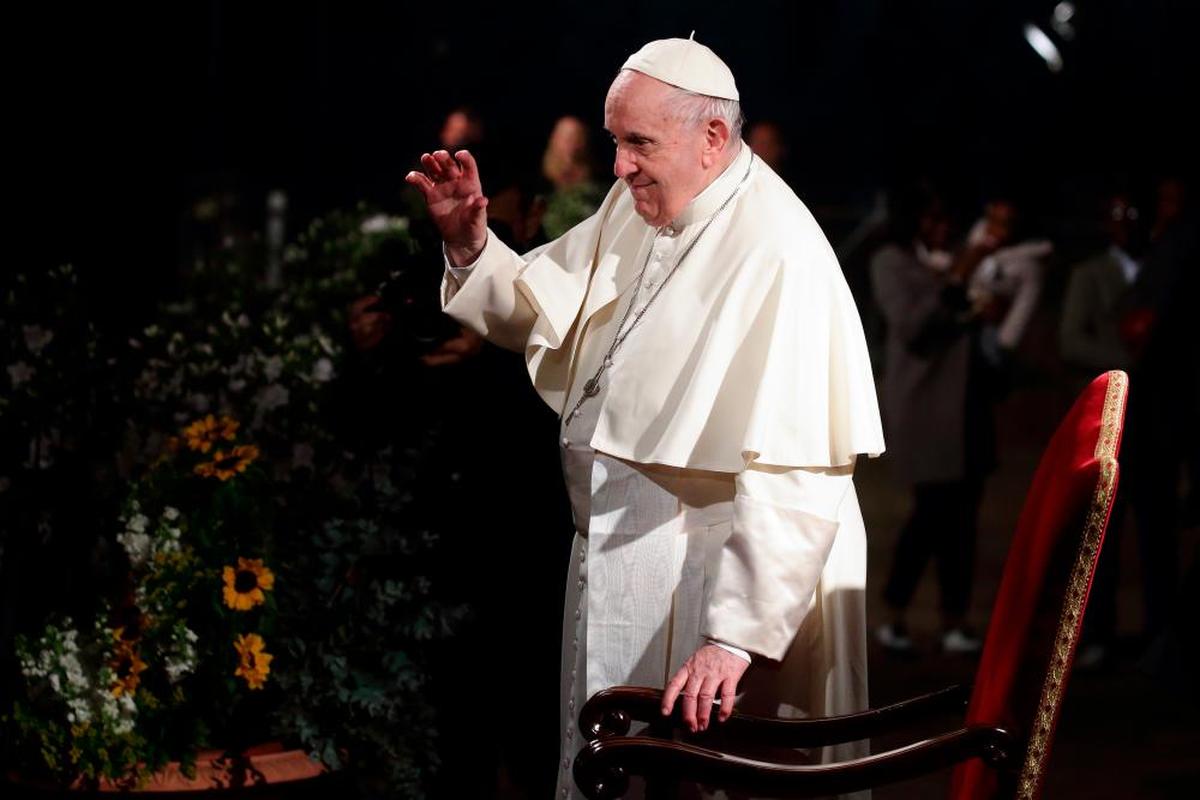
pixel 623 165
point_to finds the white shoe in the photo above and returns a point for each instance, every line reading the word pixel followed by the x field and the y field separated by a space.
pixel 894 638
pixel 960 640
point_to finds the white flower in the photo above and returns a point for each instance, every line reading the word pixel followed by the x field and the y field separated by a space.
pixel 79 713
pixel 325 342
pixel 181 659
pixel 138 522
pixel 274 396
pixel 322 371
pixel 374 224
pixel 137 546
pixel 36 338
pixel 20 372
pixel 170 513
pixel 302 456
pixel 120 711
pixel 273 368
pixel 169 545
pixel 382 223
pixel 74 672
pixel 242 320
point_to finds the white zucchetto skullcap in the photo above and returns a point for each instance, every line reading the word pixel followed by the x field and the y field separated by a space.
pixel 687 64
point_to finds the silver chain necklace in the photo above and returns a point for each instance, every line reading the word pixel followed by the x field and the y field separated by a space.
pixel 592 387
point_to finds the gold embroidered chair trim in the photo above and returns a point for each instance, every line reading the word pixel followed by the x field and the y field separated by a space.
pixel 1070 619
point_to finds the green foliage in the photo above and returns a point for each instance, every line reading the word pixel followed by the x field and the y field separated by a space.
pixel 232 451
pixel 566 208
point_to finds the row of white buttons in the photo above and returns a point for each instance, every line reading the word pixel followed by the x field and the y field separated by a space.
pixel 570 731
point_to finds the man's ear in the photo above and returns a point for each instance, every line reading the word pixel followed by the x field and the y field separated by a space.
pixel 716 137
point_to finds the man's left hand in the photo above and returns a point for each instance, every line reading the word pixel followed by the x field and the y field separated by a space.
pixel 710 673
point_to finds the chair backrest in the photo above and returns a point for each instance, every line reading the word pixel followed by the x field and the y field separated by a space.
pixel 1038 613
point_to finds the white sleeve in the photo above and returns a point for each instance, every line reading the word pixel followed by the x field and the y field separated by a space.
pixel 460 274
pixel 728 648
pixel 784 524
pixel 1012 328
pixel 482 296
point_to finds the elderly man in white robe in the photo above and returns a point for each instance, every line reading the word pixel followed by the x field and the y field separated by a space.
pixel 701 346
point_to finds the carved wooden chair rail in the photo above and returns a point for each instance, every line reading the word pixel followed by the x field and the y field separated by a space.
pixel 611 757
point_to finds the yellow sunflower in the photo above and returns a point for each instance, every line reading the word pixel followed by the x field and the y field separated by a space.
pixel 245 584
pixel 202 434
pixel 254 664
pixel 225 465
pixel 127 665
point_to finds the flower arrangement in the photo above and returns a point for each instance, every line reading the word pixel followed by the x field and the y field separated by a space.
pixel 263 572
pixel 188 629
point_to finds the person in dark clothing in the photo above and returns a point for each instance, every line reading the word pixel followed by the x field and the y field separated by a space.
pixel 937 408
pixel 1162 417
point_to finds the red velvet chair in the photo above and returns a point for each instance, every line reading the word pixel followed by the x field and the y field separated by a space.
pixel 1003 744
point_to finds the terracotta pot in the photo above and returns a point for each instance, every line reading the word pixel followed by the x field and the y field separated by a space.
pixel 261 765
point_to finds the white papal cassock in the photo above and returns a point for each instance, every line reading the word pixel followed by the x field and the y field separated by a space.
pixel 710 479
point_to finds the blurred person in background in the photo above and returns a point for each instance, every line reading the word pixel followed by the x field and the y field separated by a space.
pixel 937 405
pixel 1007 284
pixel 463 127
pixel 569 166
pixel 1092 339
pixel 1132 307
pixel 766 139
pixel 1170 205
pixel 1098 293
pixel 1161 431
pixel 1175 217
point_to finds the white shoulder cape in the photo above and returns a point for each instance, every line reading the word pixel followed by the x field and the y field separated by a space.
pixel 754 352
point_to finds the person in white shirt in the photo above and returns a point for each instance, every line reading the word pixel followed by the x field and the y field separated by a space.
pixel 1009 280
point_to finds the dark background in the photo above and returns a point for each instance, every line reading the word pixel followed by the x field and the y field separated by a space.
pixel 123 116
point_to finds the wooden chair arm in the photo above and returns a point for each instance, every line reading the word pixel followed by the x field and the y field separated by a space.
pixel 603 768
pixel 611 711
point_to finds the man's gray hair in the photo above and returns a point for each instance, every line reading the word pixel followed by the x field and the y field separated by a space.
pixel 694 109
